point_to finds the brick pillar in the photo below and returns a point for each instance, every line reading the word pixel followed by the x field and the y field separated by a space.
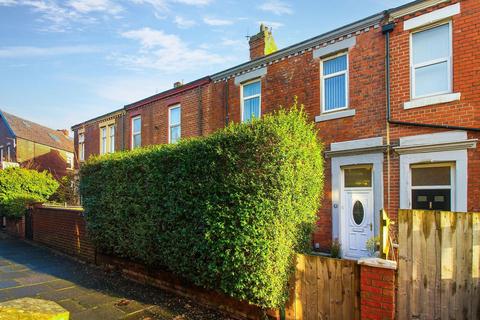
pixel 377 289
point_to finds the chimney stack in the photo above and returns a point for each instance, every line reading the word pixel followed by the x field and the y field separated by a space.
pixel 262 43
pixel 65 132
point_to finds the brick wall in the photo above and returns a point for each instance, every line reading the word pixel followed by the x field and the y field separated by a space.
pixel 465 112
pixel 299 76
pixel 15 227
pixel 64 230
pixel 377 293
pixel 210 105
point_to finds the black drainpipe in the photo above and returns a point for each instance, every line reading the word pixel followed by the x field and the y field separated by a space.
pixel 386 29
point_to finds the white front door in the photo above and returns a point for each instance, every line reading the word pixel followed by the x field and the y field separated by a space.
pixel 358 222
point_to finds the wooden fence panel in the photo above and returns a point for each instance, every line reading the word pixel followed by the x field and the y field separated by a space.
pixel 439 265
pixel 325 288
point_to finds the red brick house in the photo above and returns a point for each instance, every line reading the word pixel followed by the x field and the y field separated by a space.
pixel 28 144
pixel 400 121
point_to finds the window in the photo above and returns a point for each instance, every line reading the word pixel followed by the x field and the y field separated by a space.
pixel 431 61
pixel 103 140
pixel 81 146
pixel 174 124
pixel 1 154
pixel 69 160
pixel 335 83
pixel 432 186
pixel 358 177
pixel 111 130
pixel 251 100
pixel 9 155
pixel 136 132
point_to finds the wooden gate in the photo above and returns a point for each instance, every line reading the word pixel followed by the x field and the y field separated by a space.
pixel 439 265
pixel 325 288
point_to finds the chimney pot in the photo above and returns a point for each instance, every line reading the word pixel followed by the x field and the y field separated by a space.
pixel 65 132
pixel 262 43
pixel 178 84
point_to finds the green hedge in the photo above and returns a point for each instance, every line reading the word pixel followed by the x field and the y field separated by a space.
pixel 227 211
pixel 20 187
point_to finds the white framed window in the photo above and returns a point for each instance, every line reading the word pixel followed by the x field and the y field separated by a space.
pixel 251 100
pixel 136 132
pixel 81 146
pixel 103 140
pixel 1 154
pixel 334 82
pixel 69 160
pixel 174 123
pixel 111 142
pixel 431 60
pixel 9 153
pixel 433 184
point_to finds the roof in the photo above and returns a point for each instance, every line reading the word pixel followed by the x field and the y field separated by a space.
pixel 35 132
pixel 170 92
pixel 102 117
pixel 308 44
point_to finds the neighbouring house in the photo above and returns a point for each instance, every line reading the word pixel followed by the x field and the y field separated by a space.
pixel 394 96
pixel 29 144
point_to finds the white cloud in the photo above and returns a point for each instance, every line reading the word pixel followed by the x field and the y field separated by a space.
pixel 277 7
pixel 272 24
pixel 217 22
pixel 164 5
pixel 184 23
pixel 234 43
pixel 129 89
pixel 86 6
pixel 27 51
pixel 59 16
pixel 195 2
pixel 165 52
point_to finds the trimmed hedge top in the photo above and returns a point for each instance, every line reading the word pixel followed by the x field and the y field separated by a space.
pixel 20 187
pixel 227 212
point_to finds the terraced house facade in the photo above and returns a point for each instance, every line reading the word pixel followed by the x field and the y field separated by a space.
pixel 395 98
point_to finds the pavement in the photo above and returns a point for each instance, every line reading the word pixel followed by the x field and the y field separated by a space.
pixel 87 292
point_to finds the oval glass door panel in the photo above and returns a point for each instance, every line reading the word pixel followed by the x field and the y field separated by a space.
pixel 358 212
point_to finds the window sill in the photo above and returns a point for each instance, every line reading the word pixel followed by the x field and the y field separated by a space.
pixel 428 101
pixel 335 115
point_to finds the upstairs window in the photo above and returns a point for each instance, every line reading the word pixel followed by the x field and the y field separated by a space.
pixel 9 155
pixel 136 132
pixel 69 160
pixel 431 61
pixel 81 146
pixel 111 131
pixel 251 100
pixel 103 140
pixel 335 83
pixel 174 124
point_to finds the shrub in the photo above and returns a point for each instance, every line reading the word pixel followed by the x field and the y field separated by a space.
pixel 67 192
pixel 227 211
pixel 20 187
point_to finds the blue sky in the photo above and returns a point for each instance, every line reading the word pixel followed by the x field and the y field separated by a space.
pixel 65 61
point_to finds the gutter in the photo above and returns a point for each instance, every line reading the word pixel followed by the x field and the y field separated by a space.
pixel 386 30
pixel 351 28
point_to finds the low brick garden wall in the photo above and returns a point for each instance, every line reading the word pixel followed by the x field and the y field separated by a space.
pixel 64 230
